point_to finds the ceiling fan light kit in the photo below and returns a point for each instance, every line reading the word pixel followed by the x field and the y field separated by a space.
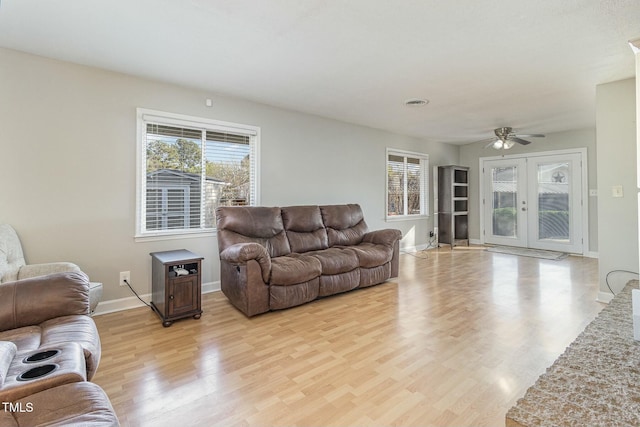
pixel 506 138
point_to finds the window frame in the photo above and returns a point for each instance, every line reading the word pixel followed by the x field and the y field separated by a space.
pixel 424 188
pixel 144 116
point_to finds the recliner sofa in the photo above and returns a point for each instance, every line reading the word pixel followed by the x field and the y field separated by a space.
pixel 47 310
pixel 49 350
pixel 278 257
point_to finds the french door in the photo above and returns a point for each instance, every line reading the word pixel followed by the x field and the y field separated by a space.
pixel 534 202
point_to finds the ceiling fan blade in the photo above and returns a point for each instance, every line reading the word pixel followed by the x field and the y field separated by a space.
pixel 519 141
pixel 531 135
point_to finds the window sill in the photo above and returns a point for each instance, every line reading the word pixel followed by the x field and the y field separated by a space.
pixel 142 238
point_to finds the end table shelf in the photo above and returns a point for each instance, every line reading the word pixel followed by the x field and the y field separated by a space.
pixel 176 285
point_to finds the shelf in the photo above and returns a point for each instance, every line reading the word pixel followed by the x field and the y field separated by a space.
pixel 453 205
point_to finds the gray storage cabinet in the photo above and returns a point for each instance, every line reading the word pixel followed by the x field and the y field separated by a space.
pixel 453 205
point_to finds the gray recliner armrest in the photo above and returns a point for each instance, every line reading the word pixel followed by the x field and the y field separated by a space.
pixel 34 270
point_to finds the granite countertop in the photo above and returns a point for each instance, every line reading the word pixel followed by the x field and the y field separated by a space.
pixel 595 382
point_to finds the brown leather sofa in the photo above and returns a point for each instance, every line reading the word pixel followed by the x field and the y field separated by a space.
pixel 273 258
pixel 49 350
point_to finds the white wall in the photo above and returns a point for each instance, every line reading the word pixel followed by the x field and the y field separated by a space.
pixel 617 217
pixel 586 138
pixel 67 153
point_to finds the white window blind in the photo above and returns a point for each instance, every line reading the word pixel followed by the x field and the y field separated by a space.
pixel 189 167
pixel 407 186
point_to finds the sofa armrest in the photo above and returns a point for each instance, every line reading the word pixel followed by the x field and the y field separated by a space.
pixel 35 270
pixel 240 253
pixel 386 237
pixel 32 301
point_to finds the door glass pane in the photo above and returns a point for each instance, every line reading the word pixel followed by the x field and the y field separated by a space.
pixel 553 201
pixel 504 208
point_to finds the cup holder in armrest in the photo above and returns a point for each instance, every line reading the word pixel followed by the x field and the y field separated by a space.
pixel 40 356
pixel 36 372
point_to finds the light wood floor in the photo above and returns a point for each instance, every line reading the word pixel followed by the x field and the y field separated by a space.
pixel 455 340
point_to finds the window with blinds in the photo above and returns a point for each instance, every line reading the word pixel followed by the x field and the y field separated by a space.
pixel 189 167
pixel 407 186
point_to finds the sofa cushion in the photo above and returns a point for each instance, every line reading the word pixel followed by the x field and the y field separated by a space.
pixel 25 338
pixel 372 255
pixel 336 260
pixel 263 225
pixel 294 269
pixel 304 228
pixel 344 223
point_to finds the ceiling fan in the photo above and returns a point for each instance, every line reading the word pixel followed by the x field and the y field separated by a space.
pixel 505 138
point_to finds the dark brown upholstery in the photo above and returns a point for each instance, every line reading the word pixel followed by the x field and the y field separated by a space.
pixel 44 313
pixel 295 268
pixel 70 368
pixel 304 228
pixel 32 301
pixel 275 258
pixel 372 255
pixel 252 225
pixel 345 224
pixel 76 404
pixel 336 260
pixel 47 310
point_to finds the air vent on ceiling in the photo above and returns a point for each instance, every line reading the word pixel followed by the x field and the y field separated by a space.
pixel 416 102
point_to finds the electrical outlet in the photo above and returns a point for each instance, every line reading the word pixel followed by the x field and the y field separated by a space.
pixel 125 275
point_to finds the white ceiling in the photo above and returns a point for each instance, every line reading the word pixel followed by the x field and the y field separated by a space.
pixel 532 65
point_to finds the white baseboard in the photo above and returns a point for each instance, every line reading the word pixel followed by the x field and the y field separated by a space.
pixel 475 242
pixel 604 297
pixel 412 249
pixel 111 306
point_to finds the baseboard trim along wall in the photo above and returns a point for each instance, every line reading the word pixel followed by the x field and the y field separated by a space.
pixel 128 303
pixel 412 249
